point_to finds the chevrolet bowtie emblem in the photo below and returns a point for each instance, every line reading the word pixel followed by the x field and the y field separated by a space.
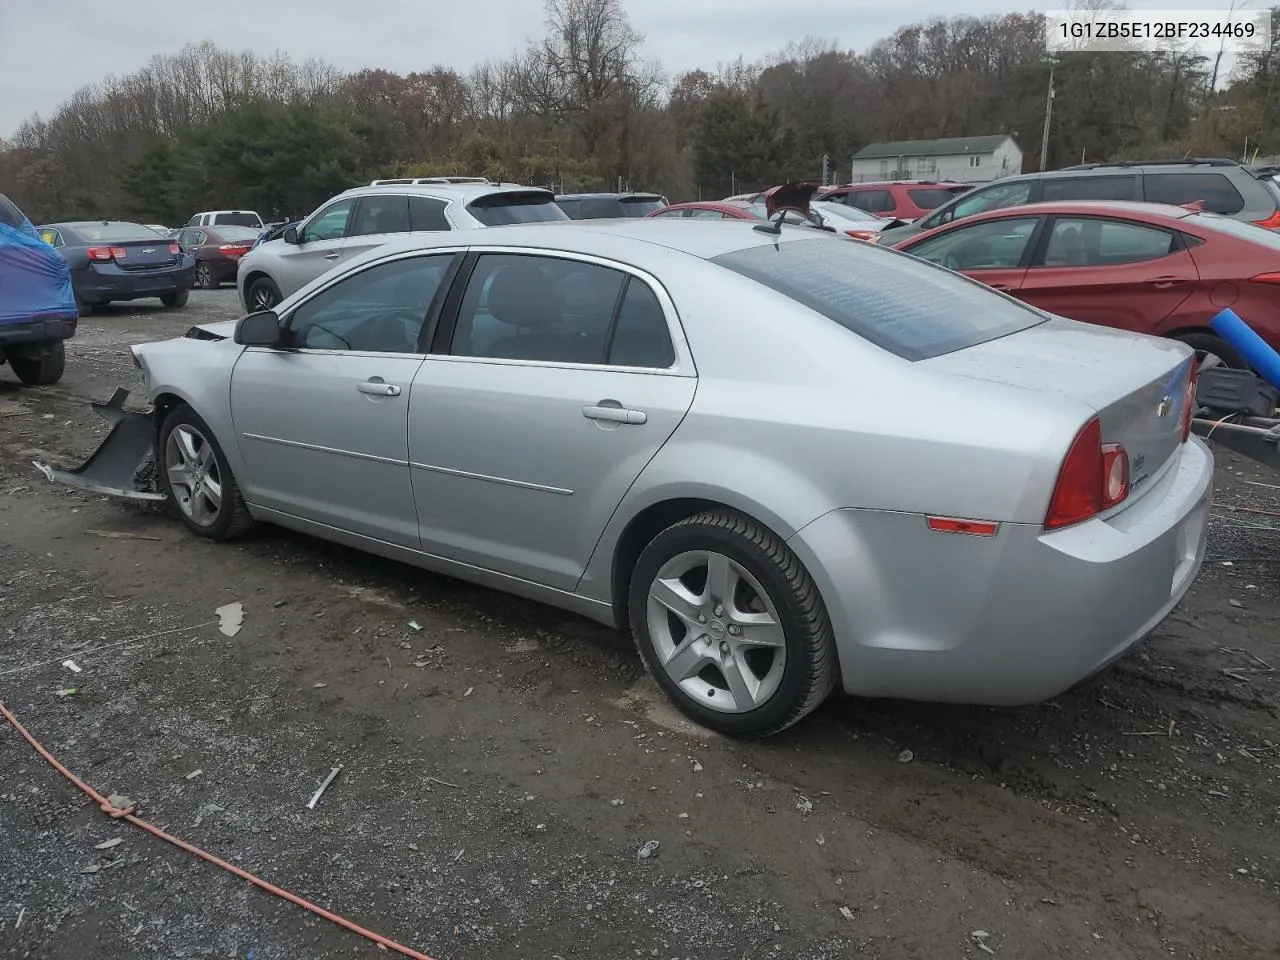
pixel 149 250
pixel 1164 406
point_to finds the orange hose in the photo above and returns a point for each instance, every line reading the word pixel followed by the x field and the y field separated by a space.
pixel 127 814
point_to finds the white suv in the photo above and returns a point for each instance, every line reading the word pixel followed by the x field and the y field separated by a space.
pixel 364 218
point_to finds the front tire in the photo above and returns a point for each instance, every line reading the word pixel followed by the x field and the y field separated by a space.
pixel 263 295
pixel 42 370
pixel 193 473
pixel 731 625
pixel 176 299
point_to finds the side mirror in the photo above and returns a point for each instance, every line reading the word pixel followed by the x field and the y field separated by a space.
pixel 291 235
pixel 261 329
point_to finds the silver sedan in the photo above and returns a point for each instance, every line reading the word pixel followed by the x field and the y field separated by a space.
pixel 785 462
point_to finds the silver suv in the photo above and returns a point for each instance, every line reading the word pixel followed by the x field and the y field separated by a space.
pixel 366 217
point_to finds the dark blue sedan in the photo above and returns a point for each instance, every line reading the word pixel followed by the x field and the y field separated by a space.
pixel 116 260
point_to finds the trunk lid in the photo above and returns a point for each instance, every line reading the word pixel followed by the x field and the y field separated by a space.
pixel 1136 383
pixel 142 254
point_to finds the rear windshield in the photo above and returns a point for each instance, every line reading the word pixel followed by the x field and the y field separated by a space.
pixel 640 206
pixel 500 209
pixel 10 215
pixel 239 233
pixel 237 219
pixel 927 198
pixel 115 231
pixel 906 306
pixel 1245 231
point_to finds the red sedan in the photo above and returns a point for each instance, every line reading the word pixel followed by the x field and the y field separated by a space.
pixel 713 210
pixel 1143 267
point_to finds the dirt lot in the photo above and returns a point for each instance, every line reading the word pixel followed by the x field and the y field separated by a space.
pixel 504 763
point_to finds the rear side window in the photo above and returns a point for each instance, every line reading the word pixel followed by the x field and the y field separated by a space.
pixel 906 306
pixel 600 208
pixel 380 214
pixel 926 198
pixel 1089 188
pixel 1095 242
pixel 1216 191
pixel 239 219
pixel 499 209
pixel 877 201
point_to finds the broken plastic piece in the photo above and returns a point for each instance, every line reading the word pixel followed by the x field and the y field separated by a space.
pixel 123 465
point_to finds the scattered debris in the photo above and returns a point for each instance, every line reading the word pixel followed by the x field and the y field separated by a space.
pixel 1236 603
pixel 207 809
pixel 470 690
pixel 119 535
pixel 66 692
pixel 108 844
pixel 443 783
pixel 804 805
pixel 697 767
pixel 230 618
pixel 121 804
pixel 846 913
pixel 906 756
pixel 193 774
pixel 311 804
pixel 90 868
pixel 71 665
pixel 616 803
pixel 21 913
pixel 319 686
pixel 523 646
pixel 414 625
pixel 650 849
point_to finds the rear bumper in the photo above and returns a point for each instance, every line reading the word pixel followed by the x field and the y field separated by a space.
pixel 1012 619
pixel 37 331
pixel 114 284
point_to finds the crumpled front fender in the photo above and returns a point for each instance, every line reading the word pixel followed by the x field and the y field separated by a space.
pixel 124 463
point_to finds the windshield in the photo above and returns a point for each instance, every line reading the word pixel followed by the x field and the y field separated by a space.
pixel 1245 231
pixel 238 219
pixel 906 306
pixel 640 206
pixel 116 231
pixel 238 233
pixel 500 209
pixel 840 212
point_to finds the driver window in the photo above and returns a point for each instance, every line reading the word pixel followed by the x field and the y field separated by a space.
pixel 992 245
pixel 378 310
pixel 329 224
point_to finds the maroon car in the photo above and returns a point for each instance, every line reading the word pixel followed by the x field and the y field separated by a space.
pixel 713 210
pixel 217 251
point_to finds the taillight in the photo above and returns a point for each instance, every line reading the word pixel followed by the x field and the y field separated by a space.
pixel 102 254
pixel 234 249
pixel 1266 277
pixel 1094 477
pixel 175 249
pixel 1189 398
pixel 1271 223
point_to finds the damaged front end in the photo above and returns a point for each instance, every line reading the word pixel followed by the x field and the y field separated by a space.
pixel 124 464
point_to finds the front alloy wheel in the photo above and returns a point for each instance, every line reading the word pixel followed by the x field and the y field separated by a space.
pixel 193 475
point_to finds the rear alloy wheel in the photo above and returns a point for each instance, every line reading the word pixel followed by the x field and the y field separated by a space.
pixel 176 299
pixel 731 626
pixel 263 295
pixel 197 480
pixel 1212 351
pixel 205 277
pixel 45 367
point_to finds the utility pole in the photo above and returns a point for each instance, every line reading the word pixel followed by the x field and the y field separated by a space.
pixel 826 168
pixel 1048 116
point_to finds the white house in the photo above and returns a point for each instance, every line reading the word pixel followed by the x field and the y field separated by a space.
pixel 959 159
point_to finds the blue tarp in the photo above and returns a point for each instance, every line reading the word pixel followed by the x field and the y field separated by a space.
pixel 35 283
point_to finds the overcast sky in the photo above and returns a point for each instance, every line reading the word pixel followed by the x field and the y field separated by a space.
pixel 50 48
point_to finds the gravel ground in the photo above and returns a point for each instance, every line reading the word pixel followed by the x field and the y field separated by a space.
pixel 503 764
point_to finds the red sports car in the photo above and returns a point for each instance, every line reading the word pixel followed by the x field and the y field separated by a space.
pixel 1143 267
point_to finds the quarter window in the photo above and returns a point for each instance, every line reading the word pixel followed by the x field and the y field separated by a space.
pixel 378 310
pixel 559 311
pixel 1217 193
pixel 329 224
pixel 427 213
pixel 1094 242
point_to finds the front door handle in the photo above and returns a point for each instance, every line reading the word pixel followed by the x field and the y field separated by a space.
pixel 614 412
pixel 375 386
pixel 1164 283
pixel 333 256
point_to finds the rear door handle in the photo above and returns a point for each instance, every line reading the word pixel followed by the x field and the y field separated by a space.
pixel 1163 283
pixel 333 256
pixel 375 386
pixel 614 414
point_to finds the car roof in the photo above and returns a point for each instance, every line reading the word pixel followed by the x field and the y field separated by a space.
pixel 91 223
pixel 713 205
pixel 899 183
pixel 461 192
pixel 634 195
pixel 1088 208
pixel 621 239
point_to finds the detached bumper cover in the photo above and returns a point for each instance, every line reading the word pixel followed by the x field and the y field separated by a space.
pixel 124 464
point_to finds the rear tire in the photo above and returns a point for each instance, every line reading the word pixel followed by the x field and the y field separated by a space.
pixel 753 651
pixel 192 472
pixel 178 299
pixel 1212 351
pixel 263 295
pixel 206 279
pixel 43 370
pixel 85 307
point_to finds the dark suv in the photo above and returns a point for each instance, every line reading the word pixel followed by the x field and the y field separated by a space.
pixel 1223 186
pixel 609 206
